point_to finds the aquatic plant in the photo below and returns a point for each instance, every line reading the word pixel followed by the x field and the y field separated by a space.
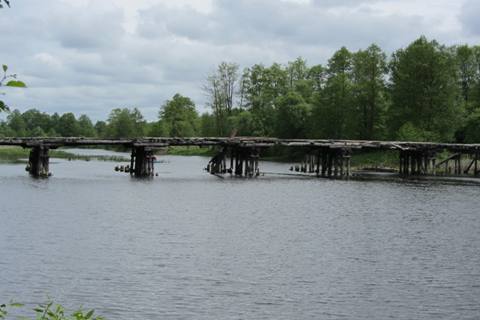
pixel 50 311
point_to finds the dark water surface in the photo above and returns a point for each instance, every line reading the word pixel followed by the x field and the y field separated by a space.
pixel 188 245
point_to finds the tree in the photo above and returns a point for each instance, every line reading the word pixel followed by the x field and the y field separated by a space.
pixel 125 123
pixel 424 90
pixel 207 125
pixel 333 106
pixel 472 127
pixel 317 75
pixel 241 123
pixel 179 117
pixel 369 92
pixel 101 129
pixel 68 125
pixel 292 116
pixel 85 126
pixel 220 88
pixel 297 71
pixel 33 118
pixel 17 124
pixel 262 86
pixel 465 57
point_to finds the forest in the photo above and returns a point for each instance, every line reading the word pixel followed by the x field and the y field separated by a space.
pixel 424 92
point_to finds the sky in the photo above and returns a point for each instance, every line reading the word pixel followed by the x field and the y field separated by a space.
pixel 90 56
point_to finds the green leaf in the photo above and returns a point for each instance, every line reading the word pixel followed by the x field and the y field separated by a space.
pixel 16 305
pixel 89 314
pixel 5 68
pixel 16 84
pixel 3 106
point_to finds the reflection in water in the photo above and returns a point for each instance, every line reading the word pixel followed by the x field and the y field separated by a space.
pixel 187 245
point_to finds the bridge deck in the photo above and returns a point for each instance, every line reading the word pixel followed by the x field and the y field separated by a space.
pixel 257 142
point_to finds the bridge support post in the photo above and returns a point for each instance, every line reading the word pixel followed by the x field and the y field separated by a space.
pixel 142 160
pixel 38 162
pixel 331 162
pixel 217 164
pixel 417 162
pixel 476 170
pixel 243 162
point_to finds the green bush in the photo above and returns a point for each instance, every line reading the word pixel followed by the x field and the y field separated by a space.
pixel 50 311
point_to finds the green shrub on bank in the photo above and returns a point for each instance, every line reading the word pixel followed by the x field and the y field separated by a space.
pixel 375 159
pixel 190 151
pixel 13 154
pixel 50 311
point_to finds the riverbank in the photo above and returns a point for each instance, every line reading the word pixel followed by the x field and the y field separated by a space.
pixel 371 160
pixel 17 154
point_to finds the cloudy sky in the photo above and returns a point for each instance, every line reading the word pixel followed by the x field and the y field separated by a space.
pixel 89 56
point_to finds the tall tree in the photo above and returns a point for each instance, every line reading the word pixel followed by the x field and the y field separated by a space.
pixel 179 117
pixel 292 116
pixel 467 71
pixel 125 123
pixel 221 88
pixel 297 70
pixel 17 124
pixel 333 107
pixel 424 91
pixel 262 87
pixel 68 125
pixel 369 92
pixel 85 126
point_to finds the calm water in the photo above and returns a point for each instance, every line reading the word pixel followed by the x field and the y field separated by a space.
pixel 188 245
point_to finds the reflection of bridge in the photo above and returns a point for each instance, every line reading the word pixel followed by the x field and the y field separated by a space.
pixel 326 158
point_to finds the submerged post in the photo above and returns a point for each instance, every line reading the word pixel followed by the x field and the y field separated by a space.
pixel 38 162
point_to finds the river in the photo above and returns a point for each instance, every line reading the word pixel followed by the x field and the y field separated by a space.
pixel 188 245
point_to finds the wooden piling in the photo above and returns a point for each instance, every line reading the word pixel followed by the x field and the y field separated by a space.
pixel 476 164
pixel 143 162
pixel 38 162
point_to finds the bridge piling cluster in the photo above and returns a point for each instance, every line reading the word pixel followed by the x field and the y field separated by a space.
pixel 142 162
pixel 38 162
pixel 327 163
pixel 244 162
pixel 417 162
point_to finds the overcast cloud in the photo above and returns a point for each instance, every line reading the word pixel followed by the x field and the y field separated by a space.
pixel 87 56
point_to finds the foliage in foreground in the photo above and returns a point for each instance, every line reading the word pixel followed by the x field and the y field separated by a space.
pixel 8 80
pixel 50 311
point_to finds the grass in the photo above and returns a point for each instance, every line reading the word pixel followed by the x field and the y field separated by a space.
pixel 375 159
pixel 190 151
pixel 16 154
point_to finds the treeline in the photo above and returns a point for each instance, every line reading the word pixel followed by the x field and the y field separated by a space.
pixel 426 91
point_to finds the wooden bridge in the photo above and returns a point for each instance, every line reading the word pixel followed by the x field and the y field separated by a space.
pixel 240 155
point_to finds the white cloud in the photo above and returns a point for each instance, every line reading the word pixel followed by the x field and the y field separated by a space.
pixel 87 56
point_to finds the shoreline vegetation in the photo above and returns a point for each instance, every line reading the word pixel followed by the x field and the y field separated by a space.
pixel 365 161
pixel 18 154
pixel 370 160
